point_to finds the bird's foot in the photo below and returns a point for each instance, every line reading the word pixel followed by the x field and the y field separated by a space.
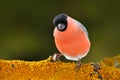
pixel 78 64
pixel 56 57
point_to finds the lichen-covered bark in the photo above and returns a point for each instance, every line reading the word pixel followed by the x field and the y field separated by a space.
pixel 46 70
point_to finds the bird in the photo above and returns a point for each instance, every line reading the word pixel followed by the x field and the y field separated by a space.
pixel 71 38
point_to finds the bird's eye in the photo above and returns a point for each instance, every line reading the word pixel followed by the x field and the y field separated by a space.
pixel 61 27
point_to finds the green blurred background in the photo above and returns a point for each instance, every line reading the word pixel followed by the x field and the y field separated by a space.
pixel 26 29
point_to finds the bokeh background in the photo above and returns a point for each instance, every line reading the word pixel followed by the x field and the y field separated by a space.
pixel 26 29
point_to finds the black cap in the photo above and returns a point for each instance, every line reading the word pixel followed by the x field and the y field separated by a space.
pixel 60 21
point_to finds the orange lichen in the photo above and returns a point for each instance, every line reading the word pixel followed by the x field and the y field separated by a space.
pixel 110 68
pixel 46 70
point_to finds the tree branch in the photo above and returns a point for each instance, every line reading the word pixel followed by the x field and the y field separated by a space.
pixel 46 70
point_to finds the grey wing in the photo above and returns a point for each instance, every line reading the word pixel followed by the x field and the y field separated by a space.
pixel 82 26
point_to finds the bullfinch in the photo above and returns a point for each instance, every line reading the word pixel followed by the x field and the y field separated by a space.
pixel 71 38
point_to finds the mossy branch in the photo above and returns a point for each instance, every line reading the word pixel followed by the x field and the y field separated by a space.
pixel 46 70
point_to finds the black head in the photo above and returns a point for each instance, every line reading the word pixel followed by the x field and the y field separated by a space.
pixel 60 21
